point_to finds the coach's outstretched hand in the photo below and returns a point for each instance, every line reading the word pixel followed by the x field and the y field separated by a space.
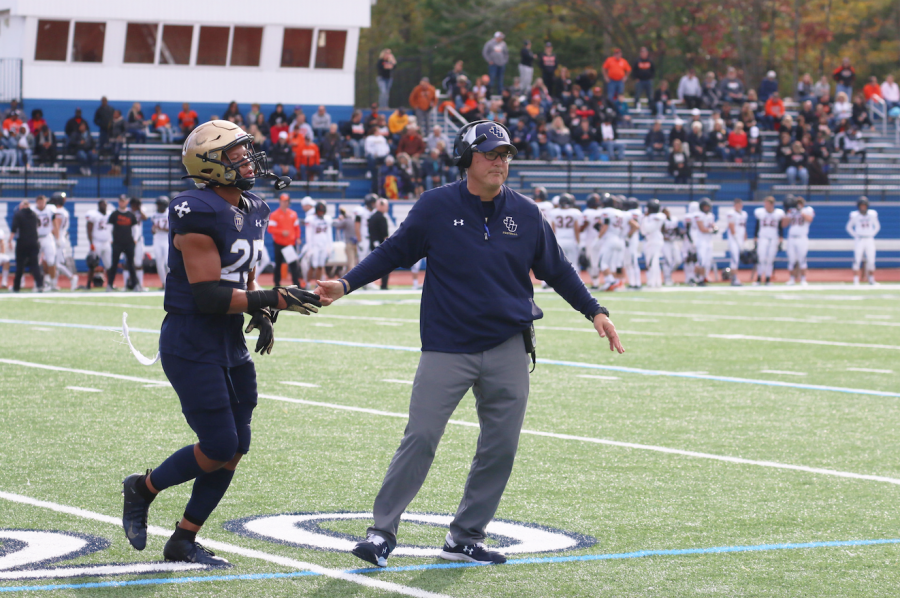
pixel 263 321
pixel 606 329
pixel 296 299
pixel 329 291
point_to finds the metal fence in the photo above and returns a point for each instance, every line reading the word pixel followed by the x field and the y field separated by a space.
pixel 10 79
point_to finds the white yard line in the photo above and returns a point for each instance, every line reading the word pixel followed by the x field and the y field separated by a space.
pixel 84 389
pixel 303 384
pixel 231 549
pixel 870 370
pixel 603 441
pixel 783 372
pixel 717 317
pixel 395 381
pixel 802 341
pixel 597 377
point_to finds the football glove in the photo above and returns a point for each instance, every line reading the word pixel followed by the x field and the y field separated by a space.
pixel 299 300
pixel 263 321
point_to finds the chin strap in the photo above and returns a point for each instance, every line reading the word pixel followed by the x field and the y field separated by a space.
pixel 138 355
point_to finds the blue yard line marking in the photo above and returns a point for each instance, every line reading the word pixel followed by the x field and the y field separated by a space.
pixel 437 566
pixel 576 364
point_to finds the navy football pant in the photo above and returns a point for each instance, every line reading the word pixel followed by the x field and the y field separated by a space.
pixel 218 404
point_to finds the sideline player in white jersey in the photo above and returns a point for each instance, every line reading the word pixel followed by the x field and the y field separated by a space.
pixel 361 225
pixel 161 238
pixel 702 230
pixel 566 221
pixel 540 198
pixel 617 225
pixel 863 225
pixel 137 233
pixel 632 245
pixel 45 214
pixel 798 217
pixel 592 219
pixel 768 236
pixel 736 220
pixel 65 259
pixel 652 229
pixel 5 252
pixel 319 240
pixel 688 248
pixel 671 254
pixel 99 233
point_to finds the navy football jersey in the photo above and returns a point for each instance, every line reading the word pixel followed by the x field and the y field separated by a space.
pixel 239 233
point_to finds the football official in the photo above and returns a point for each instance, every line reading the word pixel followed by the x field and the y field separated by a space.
pixel 216 236
pixel 481 240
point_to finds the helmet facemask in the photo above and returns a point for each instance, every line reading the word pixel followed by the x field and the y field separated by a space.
pixel 232 170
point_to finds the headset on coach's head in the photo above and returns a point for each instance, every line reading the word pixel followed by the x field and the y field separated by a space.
pixel 466 142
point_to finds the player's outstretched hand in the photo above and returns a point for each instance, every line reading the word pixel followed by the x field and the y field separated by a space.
pixel 329 291
pixel 263 321
pixel 296 299
pixel 606 329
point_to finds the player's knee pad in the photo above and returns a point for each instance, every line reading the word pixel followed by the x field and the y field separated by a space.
pixel 219 445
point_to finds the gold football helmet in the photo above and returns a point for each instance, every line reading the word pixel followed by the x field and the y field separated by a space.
pixel 205 158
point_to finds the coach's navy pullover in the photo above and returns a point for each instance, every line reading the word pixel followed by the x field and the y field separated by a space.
pixel 478 291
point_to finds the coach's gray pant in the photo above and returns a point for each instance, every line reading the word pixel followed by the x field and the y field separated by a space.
pixel 499 379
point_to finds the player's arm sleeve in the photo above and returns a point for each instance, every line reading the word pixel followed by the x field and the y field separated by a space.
pixel 401 250
pixel 551 265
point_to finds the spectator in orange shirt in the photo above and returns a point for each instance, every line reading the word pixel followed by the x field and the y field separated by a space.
pixel 871 90
pixel 12 122
pixel 774 111
pixel 36 122
pixel 423 99
pixel 412 143
pixel 187 119
pixel 309 162
pixel 616 70
pixel 163 124
pixel 737 141
pixel 284 226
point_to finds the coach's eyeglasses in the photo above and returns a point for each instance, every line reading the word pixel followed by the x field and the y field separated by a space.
pixel 493 155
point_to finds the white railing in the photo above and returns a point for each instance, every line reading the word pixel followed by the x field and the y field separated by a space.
pixel 878 107
pixel 453 122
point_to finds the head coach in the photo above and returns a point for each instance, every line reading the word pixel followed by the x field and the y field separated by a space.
pixel 481 240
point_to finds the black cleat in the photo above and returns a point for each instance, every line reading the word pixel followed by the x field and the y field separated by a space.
pixel 472 553
pixel 374 549
pixel 185 551
pixel 134 513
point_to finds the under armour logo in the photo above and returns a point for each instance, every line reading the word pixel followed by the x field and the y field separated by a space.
pixel 458 222
pixel 468 550
pixel 496 131
pixel 183 209
pixel 511 225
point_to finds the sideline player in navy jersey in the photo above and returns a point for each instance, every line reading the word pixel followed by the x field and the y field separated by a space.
pixel 216 236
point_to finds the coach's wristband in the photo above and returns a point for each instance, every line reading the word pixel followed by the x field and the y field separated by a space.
pixel 602 310
pixel 260 299
pixel 346 285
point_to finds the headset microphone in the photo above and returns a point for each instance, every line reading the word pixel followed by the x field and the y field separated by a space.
pixel 281 182
pixel 478 140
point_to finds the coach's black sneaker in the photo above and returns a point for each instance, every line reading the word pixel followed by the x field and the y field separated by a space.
pixel 471 553
pixel 134 513
pixel 374 549
pixel 184 548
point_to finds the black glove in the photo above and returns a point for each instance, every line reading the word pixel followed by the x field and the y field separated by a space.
pixel 299 300
pixel 263 321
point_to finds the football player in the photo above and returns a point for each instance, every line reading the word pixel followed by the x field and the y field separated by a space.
pixel 615 228
pixel 688 247
pixel 161 238
pixel 566 222
pixel 592 218
pixel 363 213
pixel 632 244
pixel 319 241
pixel 767 237
pixel 45 213
pixel 217 231
pixel 736 221
pixel 540 198
pixel 671 254
pixel 863 225
pixel 65 260
pixel 703 227
pixel 798 217
pixel 99 233
pixel 652 229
